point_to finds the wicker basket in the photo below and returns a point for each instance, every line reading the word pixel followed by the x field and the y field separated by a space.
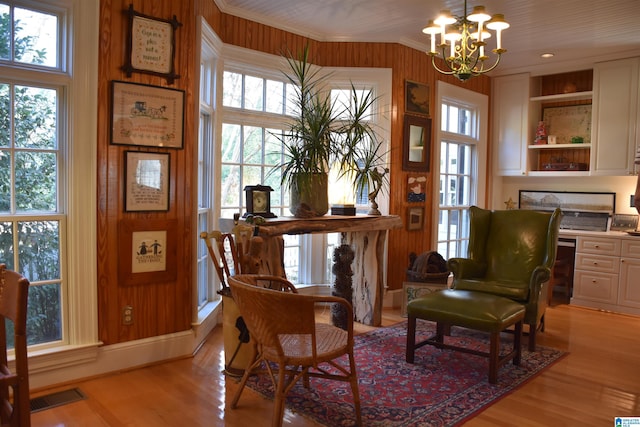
pixel 428 267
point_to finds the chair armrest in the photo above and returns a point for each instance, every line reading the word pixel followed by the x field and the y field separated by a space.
pixel 466 268
pixel 275 282
pixel 540 275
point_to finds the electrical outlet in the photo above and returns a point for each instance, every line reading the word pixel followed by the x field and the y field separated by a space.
pixel 127 315
pixel 632 200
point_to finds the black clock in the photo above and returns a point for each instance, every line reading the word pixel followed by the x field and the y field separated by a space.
pixel 258 201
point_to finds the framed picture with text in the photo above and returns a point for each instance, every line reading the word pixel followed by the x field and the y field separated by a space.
pixel 146 181
pixel 151 45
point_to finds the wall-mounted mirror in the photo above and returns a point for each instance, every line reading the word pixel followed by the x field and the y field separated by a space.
pixel 417 143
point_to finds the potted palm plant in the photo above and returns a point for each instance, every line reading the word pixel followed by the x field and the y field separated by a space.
pixel 326 134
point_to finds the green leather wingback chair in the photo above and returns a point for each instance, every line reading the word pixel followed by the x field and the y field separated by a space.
pixel 511 254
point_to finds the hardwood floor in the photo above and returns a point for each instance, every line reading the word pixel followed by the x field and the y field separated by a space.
pixel 597 381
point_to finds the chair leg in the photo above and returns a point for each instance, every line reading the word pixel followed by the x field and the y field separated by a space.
pixel 494 357
pixel 517 343
pixel 411 339
pixel 279 398
pixel 247 373
pixel 354 389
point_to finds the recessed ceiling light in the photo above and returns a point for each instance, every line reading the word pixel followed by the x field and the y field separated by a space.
pixel 547 55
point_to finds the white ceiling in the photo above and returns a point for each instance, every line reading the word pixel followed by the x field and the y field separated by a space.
pixel 578 32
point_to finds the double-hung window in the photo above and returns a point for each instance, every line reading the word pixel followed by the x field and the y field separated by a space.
pixel 462 172
pixel 47 164
pixel 256 107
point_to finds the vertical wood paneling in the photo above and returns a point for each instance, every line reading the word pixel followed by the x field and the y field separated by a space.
pixel 161 308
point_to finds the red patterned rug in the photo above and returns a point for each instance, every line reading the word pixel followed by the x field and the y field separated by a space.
pixel 442 388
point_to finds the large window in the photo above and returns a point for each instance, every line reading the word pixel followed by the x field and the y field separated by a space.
pixel 256 105
pixel 42 196
pixel 462 136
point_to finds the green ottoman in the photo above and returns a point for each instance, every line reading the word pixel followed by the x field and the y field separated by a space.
pixel 472 310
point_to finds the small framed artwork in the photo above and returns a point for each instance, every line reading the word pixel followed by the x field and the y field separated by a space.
pixel 146 181
pixel 624 222
pixel 416 147
pixel 415 218
pixel 151 45
pixel 145 115
pixel 147 251
pixel 416 98
pixel 416 189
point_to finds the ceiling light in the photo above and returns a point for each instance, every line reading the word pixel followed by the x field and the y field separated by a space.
pixel 547 55
pixel 462 41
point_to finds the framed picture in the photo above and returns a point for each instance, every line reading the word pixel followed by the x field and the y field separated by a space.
pixel 416 147
pixel 416 98
pixel 146 115
pixel 147 251
pixel 416 188
pixel 146 181
pixel 568 123
pixel 151 45
pixel 415 218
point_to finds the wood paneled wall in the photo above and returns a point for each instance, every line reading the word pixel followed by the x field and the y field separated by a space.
pixel 162 308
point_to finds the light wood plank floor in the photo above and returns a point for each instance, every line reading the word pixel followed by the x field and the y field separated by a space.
pixel 597 381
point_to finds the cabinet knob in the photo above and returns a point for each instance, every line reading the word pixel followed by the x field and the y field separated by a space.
pixel 596 246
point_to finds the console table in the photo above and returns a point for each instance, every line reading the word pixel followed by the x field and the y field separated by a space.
pixel 366 234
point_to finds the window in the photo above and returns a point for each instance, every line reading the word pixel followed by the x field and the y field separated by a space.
pixel 255 107
pixel 47 180
pixel 462 136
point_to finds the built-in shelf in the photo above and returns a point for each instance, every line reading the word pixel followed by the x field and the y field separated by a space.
pixel 558 173
pixel 564 96
pixel 558 146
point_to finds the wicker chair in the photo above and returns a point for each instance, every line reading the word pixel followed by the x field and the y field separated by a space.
pixel 14 384
pixel 290 343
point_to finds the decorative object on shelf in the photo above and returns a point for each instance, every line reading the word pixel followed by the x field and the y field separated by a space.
pixel 541 134
pixel 415 219
pixel 258 201
pixel 376 182
pixel 624 222
pixel 465 40
pixel 510 204
pixel 343 210
pixel 416 147
pixel 150 116
pixel 577 140
pixel 568 122
pixel 151 45
pixel 416 98
pixel 551 139
pixel 146 181
pixel 327 135
pixel 343 256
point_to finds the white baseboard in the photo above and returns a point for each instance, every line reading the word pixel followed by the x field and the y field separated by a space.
pixel 392 298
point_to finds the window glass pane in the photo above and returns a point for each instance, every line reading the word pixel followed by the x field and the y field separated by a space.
pixel 232 90
pixel 5 181
pixel 44 319
pixel 251 175
pixel 36 37
pixel 36 181
pixel 5 33
pixel 5 115
pixel 230 188
pixel 6 244
pixel 340 99
pixel 291 107
pixel 272 147
pixel 252 145
pixel 231 146
pixel 275 97
pixel 35 117
pixel 39 250
pixel 253 93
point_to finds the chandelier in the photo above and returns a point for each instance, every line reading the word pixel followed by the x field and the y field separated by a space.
pixel 463 41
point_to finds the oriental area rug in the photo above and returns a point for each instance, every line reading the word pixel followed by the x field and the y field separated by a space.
pixel 442 387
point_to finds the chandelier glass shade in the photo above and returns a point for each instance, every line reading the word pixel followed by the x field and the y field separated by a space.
pixel 463 40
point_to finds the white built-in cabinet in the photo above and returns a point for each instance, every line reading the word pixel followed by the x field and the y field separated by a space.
pixel 615 117
pixel 511 124
pixel 615 126
pixel 606 273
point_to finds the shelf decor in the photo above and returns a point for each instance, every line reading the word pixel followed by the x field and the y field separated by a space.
pixel 151 45
pixel 146 115
pixel 567 123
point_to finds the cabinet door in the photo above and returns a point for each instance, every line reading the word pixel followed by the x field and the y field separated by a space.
pixel 595 287
pixel 510 124
pixel 629 292
pixel 615 109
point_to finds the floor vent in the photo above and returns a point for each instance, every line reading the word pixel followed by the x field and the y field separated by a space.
pixel 56 399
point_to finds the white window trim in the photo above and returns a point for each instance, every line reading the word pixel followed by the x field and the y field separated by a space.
pixel 480 103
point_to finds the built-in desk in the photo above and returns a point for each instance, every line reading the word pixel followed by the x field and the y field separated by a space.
pixel 366 234
pixel 607 267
